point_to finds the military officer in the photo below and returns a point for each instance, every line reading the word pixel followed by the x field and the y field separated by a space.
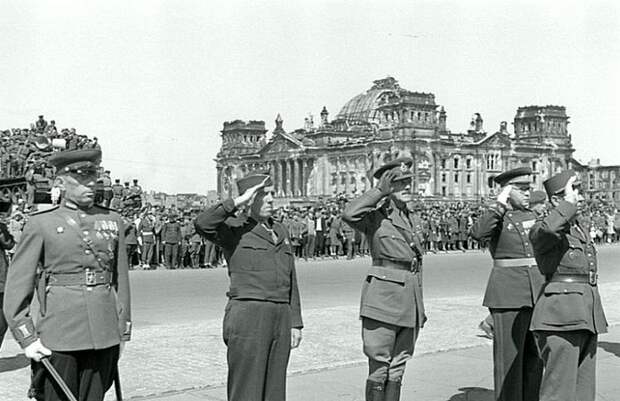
pixel 262 319
pixel 74 256
pixel 392 308
pixel 568 315
pixel 513 286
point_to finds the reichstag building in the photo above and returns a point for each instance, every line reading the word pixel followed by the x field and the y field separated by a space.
pixel 337 156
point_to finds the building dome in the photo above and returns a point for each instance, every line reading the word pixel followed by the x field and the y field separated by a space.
pixel 363 106
pixel 386 95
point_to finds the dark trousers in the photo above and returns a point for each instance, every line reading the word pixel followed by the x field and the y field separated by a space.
pixel 3 324
pixel 320 243
pixel 309 246
pixel 517 367
pixel 258 336
pixel 570 365
pixel 388 348
pixel 170 255
pixel 147 252
pixel 132 249
pixel 88 374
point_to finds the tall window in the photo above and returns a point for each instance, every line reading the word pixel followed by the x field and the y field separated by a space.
pixel 443 177
pixel 443 163
pixel 469 178
pixel 443 191
pixel 456 177
pixel 468 163
pixel 534 165
pixel 456 162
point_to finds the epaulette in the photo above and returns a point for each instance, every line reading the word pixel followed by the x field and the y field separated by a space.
pixel 43 211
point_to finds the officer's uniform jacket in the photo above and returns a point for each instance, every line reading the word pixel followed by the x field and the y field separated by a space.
pixel 171 233
pixel 565 249
pixel 147 227
pixel 66 240
pixel 258 267
pixel 515 286
pixel 389 294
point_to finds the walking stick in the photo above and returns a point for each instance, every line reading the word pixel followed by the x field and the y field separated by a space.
pixel 117 386
pixel 52 371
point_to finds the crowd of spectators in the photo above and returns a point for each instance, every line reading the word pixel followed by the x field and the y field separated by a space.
pixel 24 152
pixel 165 237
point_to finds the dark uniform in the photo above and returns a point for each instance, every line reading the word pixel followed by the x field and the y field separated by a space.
pixel 171 238
pixel 75 259
pixel 512 290
pixel 392 307
pixel 6 243
pixel 263 301
pixel 568 315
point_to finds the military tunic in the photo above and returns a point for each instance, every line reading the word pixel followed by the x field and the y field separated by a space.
pixel 263 302
pixel 83 292
pixel 512 290
pixel 392 306
pixel 569 314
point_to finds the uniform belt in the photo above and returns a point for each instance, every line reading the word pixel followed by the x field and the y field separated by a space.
pixel 590 278
pixel 412 266
pixel 514 262
pixel 87 278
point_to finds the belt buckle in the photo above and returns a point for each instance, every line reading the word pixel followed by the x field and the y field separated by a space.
pixel 592 278
pixel 91 278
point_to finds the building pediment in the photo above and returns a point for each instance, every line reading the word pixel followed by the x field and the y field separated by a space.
pixel 281 143
pixel 496 140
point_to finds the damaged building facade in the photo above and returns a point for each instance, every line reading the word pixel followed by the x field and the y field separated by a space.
pixel 337 156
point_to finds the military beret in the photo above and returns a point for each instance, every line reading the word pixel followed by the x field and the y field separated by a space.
pixel 557 183
pixel 402 167
pixel 245 183
pixel 73 159
pixel 519 174
pixel 537 197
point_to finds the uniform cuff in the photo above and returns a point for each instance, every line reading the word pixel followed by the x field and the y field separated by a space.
pixel 566 209
pixel 126 332
pixel 25 334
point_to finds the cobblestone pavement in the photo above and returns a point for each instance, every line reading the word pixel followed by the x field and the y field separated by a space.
pixel 175 357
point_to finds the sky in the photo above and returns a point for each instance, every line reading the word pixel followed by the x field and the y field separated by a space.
pixel 156 80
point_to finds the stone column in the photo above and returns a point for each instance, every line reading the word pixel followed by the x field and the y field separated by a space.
pixel 293 177
pixel 219 181
pixel 287 177
pixel 300 177
pixel 272 172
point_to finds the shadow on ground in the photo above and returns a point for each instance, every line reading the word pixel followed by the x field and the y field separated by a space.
pixel 13 363
pixel 612 348
pixel 473 394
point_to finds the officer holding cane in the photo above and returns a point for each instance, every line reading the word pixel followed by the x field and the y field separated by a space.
pixel 74 257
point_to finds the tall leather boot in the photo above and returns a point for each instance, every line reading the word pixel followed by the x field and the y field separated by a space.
pixel 392 390
pixel 375 391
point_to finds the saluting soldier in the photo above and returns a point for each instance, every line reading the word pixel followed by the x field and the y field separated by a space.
pixel 513 287
pixel 392 308
pixel 568 315
pixel 74 256
pixel 262 319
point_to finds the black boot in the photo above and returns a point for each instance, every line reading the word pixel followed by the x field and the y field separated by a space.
pixel 375 391
pixel 392 390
